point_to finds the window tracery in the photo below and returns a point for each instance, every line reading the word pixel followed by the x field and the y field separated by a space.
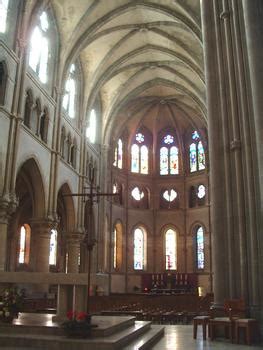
pixel 139 155
pixel 169 156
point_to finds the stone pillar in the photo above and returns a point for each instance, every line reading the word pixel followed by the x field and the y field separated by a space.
pixel 7 207
pixel 253 18
pixel 230 141
pixel 40 247
pixel 73 244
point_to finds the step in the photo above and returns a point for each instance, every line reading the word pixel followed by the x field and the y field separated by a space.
pixel 147 340
pixel 55 342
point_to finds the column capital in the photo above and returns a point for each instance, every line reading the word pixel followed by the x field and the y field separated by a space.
pixel 8 205
pixel 42 226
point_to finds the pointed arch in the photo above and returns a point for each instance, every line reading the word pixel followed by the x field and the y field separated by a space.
pixel 65 208
pixel 30 187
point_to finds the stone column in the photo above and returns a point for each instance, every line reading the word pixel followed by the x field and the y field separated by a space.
pixel 7 207
pixel 40 247
pixel 229 146
pixel 253 18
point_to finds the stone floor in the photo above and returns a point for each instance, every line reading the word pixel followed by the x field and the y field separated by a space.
pixel 180 337
pixel 177 337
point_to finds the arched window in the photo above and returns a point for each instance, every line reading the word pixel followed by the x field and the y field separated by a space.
pixel 118 155
pixel 196 153
pixel 139 155
pixel 170 250
pixel 69 99
pixel 3 81
pixel 43 125
pixel 3 15
pixel 53 247
pixel 28 109
pixel 117 246
pixel 139 254
pixel 40 48
pixel 91 129
pixel 169 156
pixel 200 247
pixel 24 244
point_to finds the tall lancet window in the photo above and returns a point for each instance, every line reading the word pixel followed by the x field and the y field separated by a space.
pixel 3 15
pixel 118 155
pixel 200 248
pixel 91 129
pixel 70 93
pixel 39 48
pixel 53 247
pixel 169 159
pixel 139 254
pixel 170 250
pixel 24 244
pixel 196 153
pixel 139 155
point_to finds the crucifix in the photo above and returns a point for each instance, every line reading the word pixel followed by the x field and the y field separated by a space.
pixel 90 198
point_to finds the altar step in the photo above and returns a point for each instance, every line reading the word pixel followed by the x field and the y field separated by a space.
pixel 112 334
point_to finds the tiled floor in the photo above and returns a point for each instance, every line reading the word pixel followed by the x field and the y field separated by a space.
pixel 181 338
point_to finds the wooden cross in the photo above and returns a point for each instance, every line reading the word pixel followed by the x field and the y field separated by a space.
pixel 93 197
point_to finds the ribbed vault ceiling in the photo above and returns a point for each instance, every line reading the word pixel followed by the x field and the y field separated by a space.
pixel 136 55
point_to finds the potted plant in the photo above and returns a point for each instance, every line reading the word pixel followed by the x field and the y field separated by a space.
pixel 78 324
pixel 11 302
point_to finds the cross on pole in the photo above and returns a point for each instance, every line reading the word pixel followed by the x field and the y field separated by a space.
pixel 92 197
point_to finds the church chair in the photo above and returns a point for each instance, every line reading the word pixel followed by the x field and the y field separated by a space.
pixel 250 327
pixel 225 317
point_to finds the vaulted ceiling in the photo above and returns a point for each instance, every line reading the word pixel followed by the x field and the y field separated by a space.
pixel 139 56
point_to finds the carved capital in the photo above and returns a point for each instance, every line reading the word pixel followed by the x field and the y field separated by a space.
pixel 8 205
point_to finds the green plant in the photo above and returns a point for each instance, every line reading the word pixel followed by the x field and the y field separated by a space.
pixel 11 302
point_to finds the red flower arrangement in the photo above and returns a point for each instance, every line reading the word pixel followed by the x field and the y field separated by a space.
pixel 78 324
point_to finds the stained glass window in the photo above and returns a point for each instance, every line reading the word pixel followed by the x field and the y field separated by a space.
pixel 137 194
pixel 193 162
pixel 22 245
pixel 201 156
pixel 139 258
pixel 196 153
pixel 115 248
pixel 135 158
pixel 139 155
pixel 163 161
pixel 91 129
pixel 170 249
pixel 118 154
pixel 169 195
pixel 39 48
pixel 169 160
pixel 70 93
pixel 53 247
pixel 139 138
pixel 3 15
pixel 144 160
pixel 174 169
pixel 201 191
pixel 200 248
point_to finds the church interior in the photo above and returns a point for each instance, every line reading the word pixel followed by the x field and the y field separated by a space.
pixel 131 158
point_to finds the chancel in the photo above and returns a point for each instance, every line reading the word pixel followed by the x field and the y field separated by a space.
pixel 131 171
